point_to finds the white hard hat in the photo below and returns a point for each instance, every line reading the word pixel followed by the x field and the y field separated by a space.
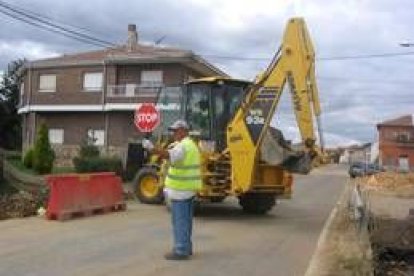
pixel 179 124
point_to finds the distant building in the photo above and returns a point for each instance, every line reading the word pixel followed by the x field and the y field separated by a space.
pixel 396 143
pixel 356 153
pixel 94 94
pixel 374 154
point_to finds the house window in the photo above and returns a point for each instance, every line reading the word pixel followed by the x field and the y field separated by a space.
pixel 403 137
pixel 47 83
pixel 96 137
pixel 92 81
pixel 151 78
pixel 56 136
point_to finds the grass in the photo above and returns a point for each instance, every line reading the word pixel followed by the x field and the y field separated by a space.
pixel 5 188
pixel 59 170
pixel 17 163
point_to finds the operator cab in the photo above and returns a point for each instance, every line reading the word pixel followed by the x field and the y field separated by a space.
pixel 209 106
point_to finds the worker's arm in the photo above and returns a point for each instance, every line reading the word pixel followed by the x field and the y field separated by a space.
pixel 174 154
pixel 162 153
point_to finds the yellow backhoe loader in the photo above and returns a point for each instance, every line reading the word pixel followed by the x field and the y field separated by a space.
pixel 230 119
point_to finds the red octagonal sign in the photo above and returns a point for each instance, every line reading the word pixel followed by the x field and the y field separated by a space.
pixel 146 117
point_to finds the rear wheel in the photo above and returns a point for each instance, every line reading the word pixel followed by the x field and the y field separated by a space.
pixel 217 199
pixel 147 188
pixel 257 203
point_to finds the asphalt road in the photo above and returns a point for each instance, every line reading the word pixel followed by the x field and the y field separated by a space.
pixel 226 241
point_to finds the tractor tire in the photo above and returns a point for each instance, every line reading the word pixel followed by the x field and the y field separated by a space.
pixel 257 203
pixel 147 188
pixel 217 199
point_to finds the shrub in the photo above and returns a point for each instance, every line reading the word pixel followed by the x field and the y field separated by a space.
pixel 88 150
pixel 28 159
pixel 43 154
pixel 98 164
pixel 89 160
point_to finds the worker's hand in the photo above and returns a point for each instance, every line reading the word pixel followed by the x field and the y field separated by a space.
pixel 147 144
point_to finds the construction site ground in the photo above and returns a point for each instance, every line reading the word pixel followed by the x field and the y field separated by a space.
pixel 371 235
pixel 226 241
pixel 389 202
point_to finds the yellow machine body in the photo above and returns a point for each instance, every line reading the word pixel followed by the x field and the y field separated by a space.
pixel 239 160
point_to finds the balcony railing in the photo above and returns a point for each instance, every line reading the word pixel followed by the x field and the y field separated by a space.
pixel 135 90
pixel 162 95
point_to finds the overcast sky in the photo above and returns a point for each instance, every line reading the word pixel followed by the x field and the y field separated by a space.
pixel 355 93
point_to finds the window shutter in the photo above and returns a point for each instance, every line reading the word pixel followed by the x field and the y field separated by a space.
pixel 151 78
pixel 97 136
pixel 56 136
pixel 47 83
pixel 92 81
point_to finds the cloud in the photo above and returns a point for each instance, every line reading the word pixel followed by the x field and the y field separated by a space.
pixel 12 50
pixel 355 94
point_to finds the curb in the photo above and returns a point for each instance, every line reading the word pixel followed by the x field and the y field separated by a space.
pixel 314 264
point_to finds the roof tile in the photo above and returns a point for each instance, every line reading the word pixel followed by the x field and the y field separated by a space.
pixel 406 120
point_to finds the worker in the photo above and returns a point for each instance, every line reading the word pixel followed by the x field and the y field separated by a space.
pixel 181 184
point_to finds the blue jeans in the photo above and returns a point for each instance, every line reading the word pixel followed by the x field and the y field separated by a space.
pixel 182 223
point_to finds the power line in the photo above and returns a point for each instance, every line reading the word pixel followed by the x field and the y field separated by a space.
pixel 54 19
pixel 350 57
pixel 14 16
pixel 235 57
pixel 52 25
pixel 369 81
pixel 49 23
pixel 367 56
pixel 42 23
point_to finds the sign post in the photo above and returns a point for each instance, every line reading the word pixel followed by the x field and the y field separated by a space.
pixel 146 117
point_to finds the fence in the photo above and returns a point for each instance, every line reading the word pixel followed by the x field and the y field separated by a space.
pixel 386 217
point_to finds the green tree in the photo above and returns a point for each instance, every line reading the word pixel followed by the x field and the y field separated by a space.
pixel 43 154
pixel 10 122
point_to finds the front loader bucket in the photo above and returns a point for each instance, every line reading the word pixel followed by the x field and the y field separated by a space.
pixel 300 163
pixel 275 150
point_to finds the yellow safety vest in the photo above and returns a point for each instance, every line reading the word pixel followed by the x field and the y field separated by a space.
pixel 186 174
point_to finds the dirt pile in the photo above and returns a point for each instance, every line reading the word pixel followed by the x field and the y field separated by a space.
pixel 19 205
pixel 389 203
pixel 393 246
pixel 397 184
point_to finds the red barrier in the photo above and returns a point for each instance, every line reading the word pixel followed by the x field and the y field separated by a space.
pixel 83 194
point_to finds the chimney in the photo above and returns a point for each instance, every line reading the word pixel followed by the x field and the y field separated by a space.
pixel 132 37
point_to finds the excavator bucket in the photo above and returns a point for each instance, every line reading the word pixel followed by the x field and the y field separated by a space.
pixel 275 150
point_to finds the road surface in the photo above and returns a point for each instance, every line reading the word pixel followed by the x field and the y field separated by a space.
pixel 226 241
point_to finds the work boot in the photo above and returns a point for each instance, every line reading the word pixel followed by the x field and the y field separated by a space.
pixel 172 256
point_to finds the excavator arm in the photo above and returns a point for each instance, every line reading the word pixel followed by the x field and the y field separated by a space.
pixel 294 65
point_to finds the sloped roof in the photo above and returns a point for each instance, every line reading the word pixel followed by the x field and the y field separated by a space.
pixel 138 54
pixel 406 120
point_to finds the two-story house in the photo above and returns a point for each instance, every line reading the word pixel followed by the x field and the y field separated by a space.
pixel 94 94
pixel 396 143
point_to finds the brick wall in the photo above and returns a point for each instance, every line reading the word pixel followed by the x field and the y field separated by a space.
pixel 69 91
pixel 392 147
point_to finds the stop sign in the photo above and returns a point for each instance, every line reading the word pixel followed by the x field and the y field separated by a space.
pixel 146 117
